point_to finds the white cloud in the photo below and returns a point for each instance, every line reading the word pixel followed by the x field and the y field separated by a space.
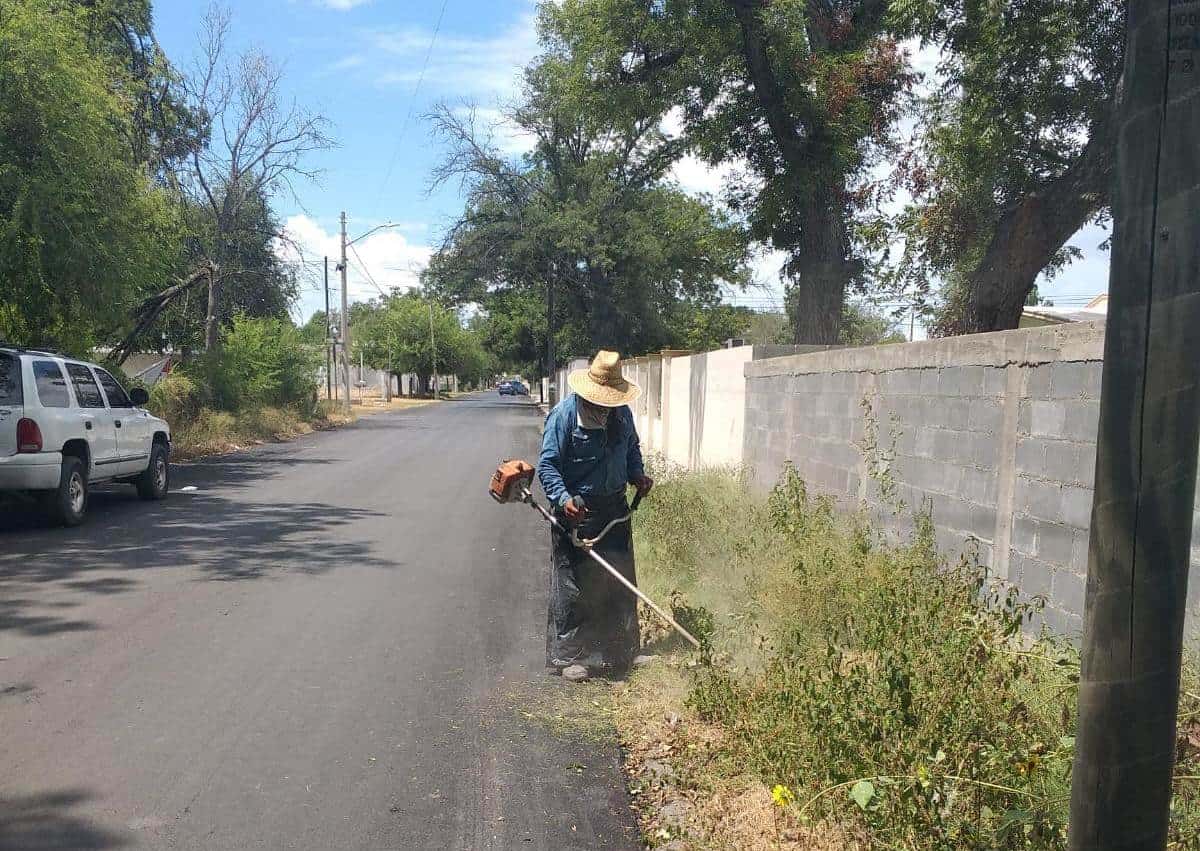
pixel 697 177
pixel 342 5
pixel 487 67
pixel 391 258
pixel 506 136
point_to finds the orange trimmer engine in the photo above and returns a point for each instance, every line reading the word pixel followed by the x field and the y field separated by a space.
pixel 511 481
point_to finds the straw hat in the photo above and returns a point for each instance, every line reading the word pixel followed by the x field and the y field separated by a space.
pixel 602 383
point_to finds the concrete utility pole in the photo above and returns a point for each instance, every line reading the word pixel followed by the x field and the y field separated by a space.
pixel 345 320
pixel 328 351
pixel 1146 452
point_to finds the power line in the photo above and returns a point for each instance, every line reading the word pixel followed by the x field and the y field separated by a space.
pixel 362 267
pixel 412 103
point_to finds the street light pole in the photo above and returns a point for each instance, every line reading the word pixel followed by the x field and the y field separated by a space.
pixel 345 320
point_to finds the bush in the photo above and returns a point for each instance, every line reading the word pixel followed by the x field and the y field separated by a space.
pixel 177 399
pixel 261 362
pixel 888 692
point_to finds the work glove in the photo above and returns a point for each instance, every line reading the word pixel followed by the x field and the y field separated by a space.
pixel 643 484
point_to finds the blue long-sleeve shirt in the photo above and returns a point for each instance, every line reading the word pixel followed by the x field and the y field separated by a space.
pixel 577 460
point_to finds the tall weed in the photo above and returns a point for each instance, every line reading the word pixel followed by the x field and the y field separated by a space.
pixel 260 363
pixel 891 693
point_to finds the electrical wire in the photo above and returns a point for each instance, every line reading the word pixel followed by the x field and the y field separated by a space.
pixel 362 267
pixel 411 104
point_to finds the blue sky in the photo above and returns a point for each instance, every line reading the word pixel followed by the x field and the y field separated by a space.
pixel 359 62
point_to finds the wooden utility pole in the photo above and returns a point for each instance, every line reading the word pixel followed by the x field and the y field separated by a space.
pixel 1146 452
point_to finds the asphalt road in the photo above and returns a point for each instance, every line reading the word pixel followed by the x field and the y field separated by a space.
pixel 335 643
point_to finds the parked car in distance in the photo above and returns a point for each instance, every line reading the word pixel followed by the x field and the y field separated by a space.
pixel 67 424
pixel 512 388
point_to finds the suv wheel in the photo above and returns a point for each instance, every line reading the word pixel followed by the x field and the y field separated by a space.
pixel 156 480
pixel 68 504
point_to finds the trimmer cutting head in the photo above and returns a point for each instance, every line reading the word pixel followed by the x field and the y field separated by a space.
pixel 511 480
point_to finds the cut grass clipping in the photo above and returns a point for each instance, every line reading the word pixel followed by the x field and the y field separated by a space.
pixel 854 692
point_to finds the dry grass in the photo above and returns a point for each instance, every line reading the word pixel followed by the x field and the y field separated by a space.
pixel 212 432
pixel 397 404
pixel 682 801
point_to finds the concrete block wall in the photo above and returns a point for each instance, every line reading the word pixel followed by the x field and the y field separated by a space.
pixel 994 433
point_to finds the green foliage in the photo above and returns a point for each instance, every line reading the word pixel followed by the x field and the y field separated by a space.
pixel 703 328
pixel 805 94
pixel 864 326
pixel 894 694
pixel 590 213
pixel 1027 85
pixel 83 231
pixel 316 330
pixel 407 333
pixel 176 398
pixel 768 329
pixel 261 362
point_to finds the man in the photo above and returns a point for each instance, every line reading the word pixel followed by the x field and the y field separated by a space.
pixel 590 449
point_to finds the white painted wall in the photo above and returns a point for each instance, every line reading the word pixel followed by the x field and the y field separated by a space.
pixel 724 413
pixel 678 402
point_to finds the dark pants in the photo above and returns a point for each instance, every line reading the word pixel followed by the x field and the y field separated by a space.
pixel 593 618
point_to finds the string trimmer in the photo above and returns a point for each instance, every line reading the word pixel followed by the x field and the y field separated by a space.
pixel 511 483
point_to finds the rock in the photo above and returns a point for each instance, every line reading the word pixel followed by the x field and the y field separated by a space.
pixel 675 813
pixel 575 673
pixel 658 770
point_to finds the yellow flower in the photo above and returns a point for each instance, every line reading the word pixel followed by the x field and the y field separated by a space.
pixel 782 795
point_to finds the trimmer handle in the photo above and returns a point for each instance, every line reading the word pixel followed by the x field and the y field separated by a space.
pixel 637 500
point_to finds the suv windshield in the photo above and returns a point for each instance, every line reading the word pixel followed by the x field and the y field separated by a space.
pixel 10 380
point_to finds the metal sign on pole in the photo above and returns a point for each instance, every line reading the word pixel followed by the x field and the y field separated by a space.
pixel 1146 449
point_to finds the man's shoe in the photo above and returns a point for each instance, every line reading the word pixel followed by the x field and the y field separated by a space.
pixel 575 673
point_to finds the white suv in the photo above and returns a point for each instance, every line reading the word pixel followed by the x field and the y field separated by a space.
pixel 66 424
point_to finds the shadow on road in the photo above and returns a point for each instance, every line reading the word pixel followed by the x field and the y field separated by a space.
pixel 216 536
pixel 44 821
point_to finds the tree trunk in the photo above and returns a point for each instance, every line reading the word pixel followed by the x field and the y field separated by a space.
pixel 212 324
pixel 820 270
pixel 1028 236
pixel 821 265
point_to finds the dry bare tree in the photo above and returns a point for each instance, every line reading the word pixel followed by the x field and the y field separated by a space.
pixel 259 144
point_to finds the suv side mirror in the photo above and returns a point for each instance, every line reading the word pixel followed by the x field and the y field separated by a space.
pixel 139 396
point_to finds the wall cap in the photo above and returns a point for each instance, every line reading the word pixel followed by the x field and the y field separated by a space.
pixel 1075 341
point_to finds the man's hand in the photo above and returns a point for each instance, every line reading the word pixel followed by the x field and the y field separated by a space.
pixel 573 511
pixel 643 484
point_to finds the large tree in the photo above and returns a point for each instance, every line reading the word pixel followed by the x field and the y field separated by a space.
pixel 585 224
pixel 82 226
pixel 1016 149
pixel 162 130
pixel 256 143
pixel 259 142
pixel 800 90
pixel 408 333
